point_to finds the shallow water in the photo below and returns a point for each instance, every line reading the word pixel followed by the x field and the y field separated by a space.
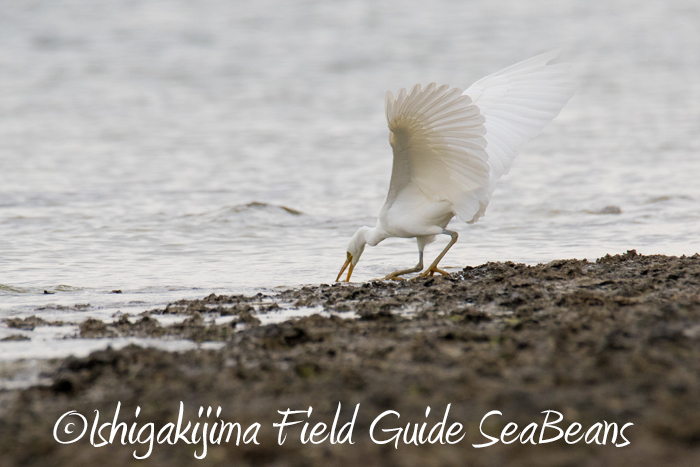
pixel 152 147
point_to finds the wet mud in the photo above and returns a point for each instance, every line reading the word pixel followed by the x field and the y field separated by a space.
pixel 29 323
pixel 616 340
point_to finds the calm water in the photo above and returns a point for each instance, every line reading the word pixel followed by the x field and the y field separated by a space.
pixel 148 146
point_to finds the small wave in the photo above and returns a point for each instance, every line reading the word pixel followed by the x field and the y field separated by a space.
pixel 605 210
pixel 67 288
pixel 254 207
pixel 253 212
pixel 11 289
pixel 661 199
pixel 53 307
pixel 258 205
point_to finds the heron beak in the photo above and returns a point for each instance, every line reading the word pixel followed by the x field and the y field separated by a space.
pixel 348 262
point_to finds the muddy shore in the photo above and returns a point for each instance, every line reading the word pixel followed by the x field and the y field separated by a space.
pixel 616 340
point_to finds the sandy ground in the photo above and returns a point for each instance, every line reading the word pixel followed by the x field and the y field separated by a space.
pixel 617 340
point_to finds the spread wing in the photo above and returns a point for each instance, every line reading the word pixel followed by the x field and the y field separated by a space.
pixel 454 146
pixel 437 135
pixel 518 102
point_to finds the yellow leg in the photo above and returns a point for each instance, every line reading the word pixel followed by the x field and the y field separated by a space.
pixel 432 269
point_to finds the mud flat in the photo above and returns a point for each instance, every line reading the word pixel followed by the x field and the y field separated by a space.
pixel 616 340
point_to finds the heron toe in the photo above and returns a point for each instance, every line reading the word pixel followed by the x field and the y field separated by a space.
pixel 392 277
pixel 433 270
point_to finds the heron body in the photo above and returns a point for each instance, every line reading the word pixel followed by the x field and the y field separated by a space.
pixel 451 147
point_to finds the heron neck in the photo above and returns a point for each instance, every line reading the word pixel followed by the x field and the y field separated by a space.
pixel 374 235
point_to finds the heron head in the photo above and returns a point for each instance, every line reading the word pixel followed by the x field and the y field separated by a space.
pixel 355 249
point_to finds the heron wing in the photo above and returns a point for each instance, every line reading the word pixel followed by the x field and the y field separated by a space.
pixel 518 102
pixel 437 135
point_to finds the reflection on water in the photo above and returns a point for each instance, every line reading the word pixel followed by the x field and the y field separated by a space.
pixel 172 149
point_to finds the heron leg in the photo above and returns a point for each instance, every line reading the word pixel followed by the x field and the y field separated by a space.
pixel 432 269
pixel 394 276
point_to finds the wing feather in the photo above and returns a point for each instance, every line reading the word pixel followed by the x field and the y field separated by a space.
pixel 437 135
pixel 455 145
pixel 518 102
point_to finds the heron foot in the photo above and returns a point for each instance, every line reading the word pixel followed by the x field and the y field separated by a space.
pixel 432 270
pixel 392 277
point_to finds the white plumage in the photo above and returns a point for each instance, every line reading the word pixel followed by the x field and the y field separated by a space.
pixel 450 148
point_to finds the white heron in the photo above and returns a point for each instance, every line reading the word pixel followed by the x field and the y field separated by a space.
pixel 450 147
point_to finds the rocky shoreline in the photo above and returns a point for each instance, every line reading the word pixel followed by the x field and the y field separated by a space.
pixel 616 340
